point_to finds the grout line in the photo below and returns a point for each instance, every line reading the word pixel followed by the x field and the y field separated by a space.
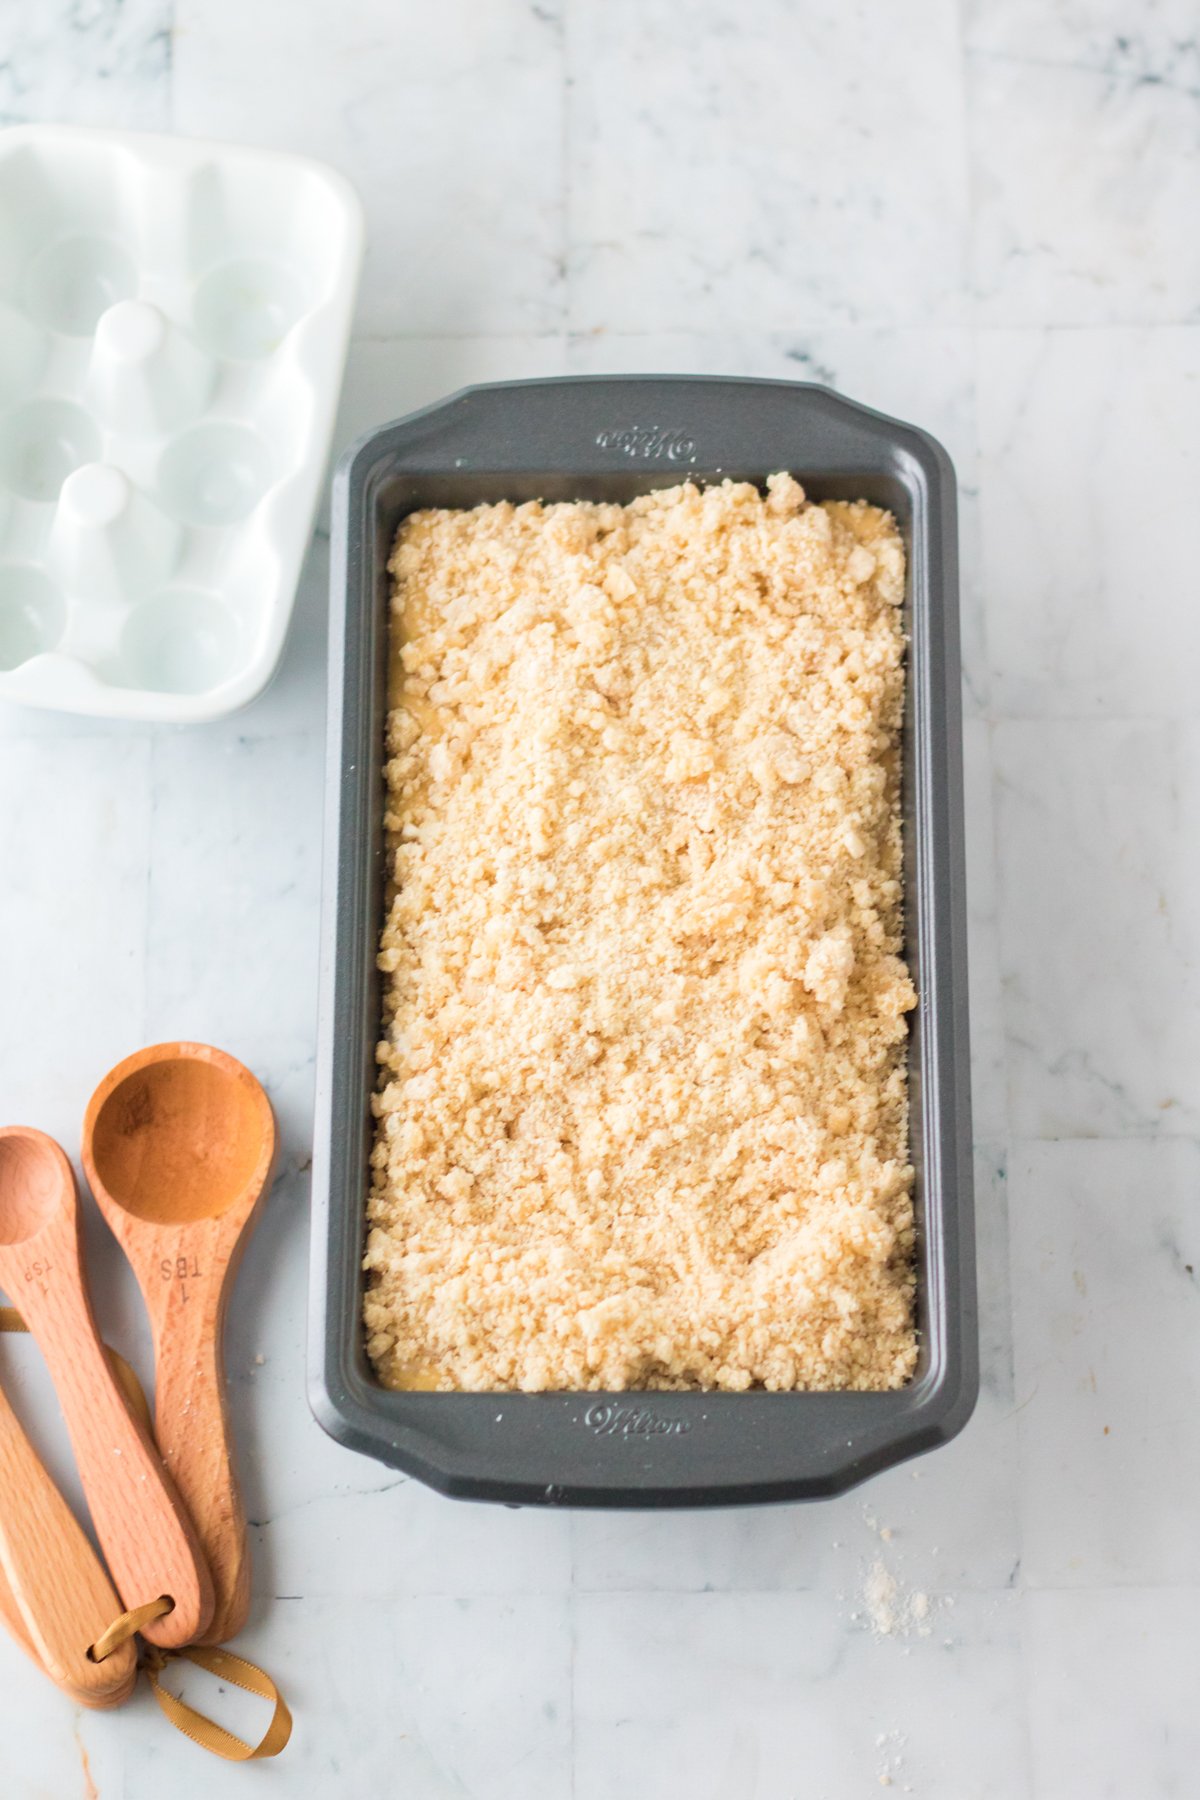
pixel 1020 1590
pixel 1023 1682
pixel 568 193
pixel 970 293
pixel 1024 1140
pixel 1021 1584
pixel 172 21
pixel 146 961
pixel 572 1677
pixel 1131 78
pixel 788 334
pixel 998 890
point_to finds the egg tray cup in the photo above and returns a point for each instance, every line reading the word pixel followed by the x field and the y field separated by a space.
pixel 174 317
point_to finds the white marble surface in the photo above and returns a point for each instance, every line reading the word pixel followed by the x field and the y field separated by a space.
pixel 981 216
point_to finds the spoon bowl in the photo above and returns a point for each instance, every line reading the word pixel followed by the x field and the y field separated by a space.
pixel 179 1138
pixel 31 1175
pixel 178 1144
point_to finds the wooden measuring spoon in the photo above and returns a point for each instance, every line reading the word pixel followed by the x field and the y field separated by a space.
pixel 147 1538
pixel 55 1597
pixel 178 1144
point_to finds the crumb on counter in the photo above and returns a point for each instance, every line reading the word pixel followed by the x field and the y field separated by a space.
pixel 642 1118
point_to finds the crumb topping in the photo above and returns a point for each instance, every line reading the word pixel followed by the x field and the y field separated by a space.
pixel 642 1119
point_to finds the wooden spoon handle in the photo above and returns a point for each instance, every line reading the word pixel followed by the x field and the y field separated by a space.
pixel 55 1595
pixel 148 1540
pixel 11 1615
pixel 191 1423
pixel 147 1537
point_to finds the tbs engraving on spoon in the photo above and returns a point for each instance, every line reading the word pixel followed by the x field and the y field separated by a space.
pixel 178 1144
pixel 145 1533
pixel 183 1269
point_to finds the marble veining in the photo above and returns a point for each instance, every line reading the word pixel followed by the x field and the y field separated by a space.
pixel 978 215
pixel 86 62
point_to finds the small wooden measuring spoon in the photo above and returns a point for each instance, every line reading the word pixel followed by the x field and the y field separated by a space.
pixel 55 1597
pixel 147 1538
pixel 178 1144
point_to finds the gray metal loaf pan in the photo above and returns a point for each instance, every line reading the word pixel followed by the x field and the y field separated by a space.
pixel 610 438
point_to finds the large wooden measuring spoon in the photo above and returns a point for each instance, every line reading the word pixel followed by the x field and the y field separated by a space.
pixel 178 1144
pixel 55 1597
pixel 147 1538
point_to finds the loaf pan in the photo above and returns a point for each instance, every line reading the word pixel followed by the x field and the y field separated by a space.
pixel 610 438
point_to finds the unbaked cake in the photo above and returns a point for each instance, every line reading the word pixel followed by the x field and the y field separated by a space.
pixel 642 1115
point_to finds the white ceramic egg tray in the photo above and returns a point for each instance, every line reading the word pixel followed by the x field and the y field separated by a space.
pixel 174 318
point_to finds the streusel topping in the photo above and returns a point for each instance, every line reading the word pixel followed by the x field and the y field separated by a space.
pixel 642 1118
